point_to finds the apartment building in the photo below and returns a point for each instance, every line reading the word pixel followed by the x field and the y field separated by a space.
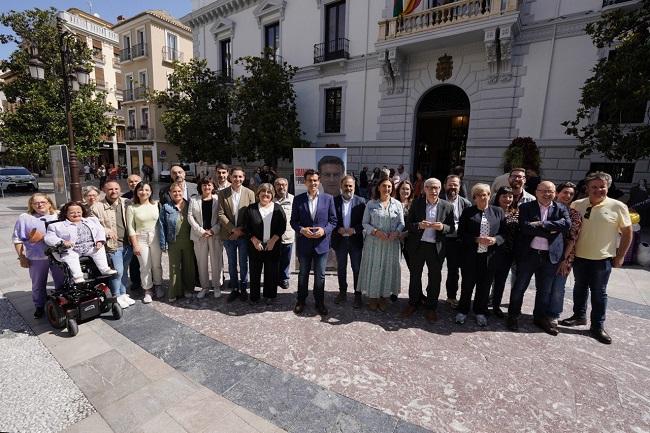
pixel 104 43
pixel 440 83
pixel 150 43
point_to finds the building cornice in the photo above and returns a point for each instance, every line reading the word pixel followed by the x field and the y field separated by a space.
pixel 215 10
pixel 337 67
pixel 561 27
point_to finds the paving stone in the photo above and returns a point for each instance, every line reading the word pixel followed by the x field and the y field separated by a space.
pixel 201 410
pixel 73 350
pixel 161 423
pixel 93 424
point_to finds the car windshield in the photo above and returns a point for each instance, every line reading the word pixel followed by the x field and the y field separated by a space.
pixel 14 171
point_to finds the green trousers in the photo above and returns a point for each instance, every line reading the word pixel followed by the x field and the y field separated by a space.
pixel 182 267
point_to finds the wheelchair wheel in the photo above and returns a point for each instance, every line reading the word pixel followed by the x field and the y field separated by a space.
pixel 117 311
pixel 55 314
pixel 73 328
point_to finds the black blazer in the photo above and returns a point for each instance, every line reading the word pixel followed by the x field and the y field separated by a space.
pixel 417 213
pixel 253 224
pixel 358 206
pixel 556 225
pixel 464 203
pixel 469 227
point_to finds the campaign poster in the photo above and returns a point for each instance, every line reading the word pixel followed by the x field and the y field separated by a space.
pixel 331 162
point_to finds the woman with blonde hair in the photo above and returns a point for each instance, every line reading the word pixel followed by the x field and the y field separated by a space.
pixel 27 238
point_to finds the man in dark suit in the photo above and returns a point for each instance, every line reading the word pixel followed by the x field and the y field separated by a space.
pixel 313 218
pixel 178 176
pixel 347 238
pixel 453 246
pixel 428 222
pixel 539 249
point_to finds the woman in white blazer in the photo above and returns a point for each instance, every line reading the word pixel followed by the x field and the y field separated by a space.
pixel 202 216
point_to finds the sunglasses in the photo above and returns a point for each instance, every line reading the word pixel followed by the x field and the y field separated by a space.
pixel 587 213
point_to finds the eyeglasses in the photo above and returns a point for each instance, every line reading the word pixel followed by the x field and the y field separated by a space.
pixel 38 203
pixel 587 213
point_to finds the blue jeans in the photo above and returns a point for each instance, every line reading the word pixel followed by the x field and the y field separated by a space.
pixel 320 261
pixel 556 304
pixel 121 259
pixel 591 275
pixel 237 249
pixel 344 249
pixel 538 264
pixel 285 261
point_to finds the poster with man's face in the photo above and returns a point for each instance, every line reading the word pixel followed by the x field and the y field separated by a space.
pixel 330 162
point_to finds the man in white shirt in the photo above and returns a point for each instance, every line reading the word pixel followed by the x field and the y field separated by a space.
pixel 285 200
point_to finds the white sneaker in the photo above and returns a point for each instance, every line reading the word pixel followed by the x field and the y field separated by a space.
pixel 109 271
pixel 481 320
pixel 147 299
pixel 202 294
pixel 79 280
pixel 217 292
pixel 128 299
pixel 122 302
pixel 460 318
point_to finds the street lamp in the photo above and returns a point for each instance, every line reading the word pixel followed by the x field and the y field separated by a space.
pixel 73 75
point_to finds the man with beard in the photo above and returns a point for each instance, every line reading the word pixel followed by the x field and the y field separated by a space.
pixel 178 176
pixel 347 238
pixel 453 248
pixel 285 200
pixel 517 181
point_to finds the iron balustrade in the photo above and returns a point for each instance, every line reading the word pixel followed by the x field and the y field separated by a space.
pixel 338 48
pixel 171 55
pixel 139 50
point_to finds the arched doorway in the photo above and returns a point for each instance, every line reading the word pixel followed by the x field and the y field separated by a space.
pixel 441 131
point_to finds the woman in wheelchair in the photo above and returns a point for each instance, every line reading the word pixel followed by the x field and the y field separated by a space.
pixel 82 235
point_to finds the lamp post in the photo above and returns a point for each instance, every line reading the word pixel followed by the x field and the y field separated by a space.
pixel 73 75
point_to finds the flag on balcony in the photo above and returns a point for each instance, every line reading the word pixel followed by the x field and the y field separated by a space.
pixel 398 6
pixel 411 6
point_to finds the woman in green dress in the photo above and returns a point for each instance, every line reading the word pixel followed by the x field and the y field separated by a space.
pixel 383 222
pixel 175 239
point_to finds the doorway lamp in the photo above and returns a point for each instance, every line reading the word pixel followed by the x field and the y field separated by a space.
pixel 74 75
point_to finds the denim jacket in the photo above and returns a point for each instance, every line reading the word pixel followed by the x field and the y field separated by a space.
pixel 169 218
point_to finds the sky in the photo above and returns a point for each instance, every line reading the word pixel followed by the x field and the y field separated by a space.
pixel 107 9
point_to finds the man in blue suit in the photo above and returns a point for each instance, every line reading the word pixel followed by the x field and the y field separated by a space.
pixel 347 239
pixel 313 218
pixel 539 250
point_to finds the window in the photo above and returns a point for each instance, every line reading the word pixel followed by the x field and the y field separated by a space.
pixel 142 78
pixel 272 39
pixel 144 117
pixel 131 119
pixel 225 61
pixel 128 93
pixel 171 53
pixel 333 109
pixel 140 49
pixel 125 54
pixel 334 27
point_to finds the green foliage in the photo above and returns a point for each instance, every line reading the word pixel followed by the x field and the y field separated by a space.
pixel 620 86
pixel 197 106
pixel 39 119
pixel 522 152
pixel 264 109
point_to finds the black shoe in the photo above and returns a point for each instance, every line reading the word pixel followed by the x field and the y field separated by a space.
pixel 322 310
pixel 513 324
pixel 574 321
pixel 243 295
pixel 253 301
pixel 601 335
pixel 358 300
pixel 284 285
pixel 234 294
pixel 299 308
pixel 341 298
pixel 40 311
pixel 498 312
pixel 393 298
pixel 545 324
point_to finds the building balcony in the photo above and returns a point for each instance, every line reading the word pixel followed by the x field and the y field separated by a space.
pixel 128 95
pixel 460 17
pixel 139 50
pixel 139 134
pixel 100 84
pixel 171 55
pixel 125 54
pixel 140 92
pixel 98 57
pixel 338 48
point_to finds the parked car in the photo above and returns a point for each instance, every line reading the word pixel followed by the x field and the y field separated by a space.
pixel 17 178
pixel 164 176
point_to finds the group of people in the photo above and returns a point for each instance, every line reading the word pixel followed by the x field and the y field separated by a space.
pixel 483 239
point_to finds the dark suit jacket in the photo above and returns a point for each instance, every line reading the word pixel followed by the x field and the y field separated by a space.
pixel 358 206
pixel 253 224
pixel 464 204
pixel 553 229
pixel 325 218
pixel 469 227
pixel 417 213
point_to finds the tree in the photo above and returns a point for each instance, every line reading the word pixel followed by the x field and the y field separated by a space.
pixel 197 107
pixel 619 88
pixel 264 109
pixel 39 118
pixel 522 152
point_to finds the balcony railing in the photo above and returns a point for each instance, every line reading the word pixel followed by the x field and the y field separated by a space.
pixel 140 92
pixel 99 57
pixel 139 134
pixel 139 50
pixel 338 48
pixel 125 54
pixel 128 95
pixel 171 55
pixel 450 14
pixel 100 84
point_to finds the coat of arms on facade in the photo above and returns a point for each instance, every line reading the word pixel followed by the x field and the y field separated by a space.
pixel 444 67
